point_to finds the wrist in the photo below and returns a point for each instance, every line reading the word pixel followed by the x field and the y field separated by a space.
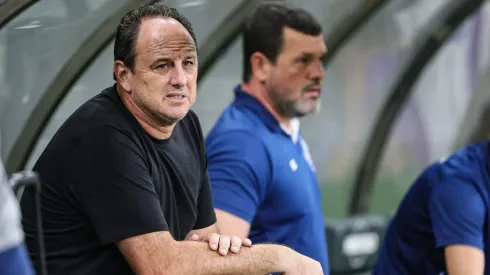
pixel 280 256
pixel 286 258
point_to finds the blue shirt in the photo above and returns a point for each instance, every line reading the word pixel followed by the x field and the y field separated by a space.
pixel 265 176
pixel 447 205
pixel 15 260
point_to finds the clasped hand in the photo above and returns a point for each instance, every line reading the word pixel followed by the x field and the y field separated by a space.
pixel 222 242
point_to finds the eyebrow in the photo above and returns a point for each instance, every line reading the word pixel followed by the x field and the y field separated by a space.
pixel 310 53
pixel 160 60
pixel 166 59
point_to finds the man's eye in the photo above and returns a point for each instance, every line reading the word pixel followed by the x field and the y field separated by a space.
pixel 162 66
pixel 323 59
pixel 188 63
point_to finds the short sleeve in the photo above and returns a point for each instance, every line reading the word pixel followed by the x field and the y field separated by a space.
pixel 206 215
pixel 457 212
pixel 110 181
pixel 239 170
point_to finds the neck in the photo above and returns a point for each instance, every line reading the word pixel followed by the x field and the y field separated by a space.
pixel 258 91
pixel 152 127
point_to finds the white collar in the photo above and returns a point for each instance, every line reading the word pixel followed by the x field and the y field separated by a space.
pixel 293 131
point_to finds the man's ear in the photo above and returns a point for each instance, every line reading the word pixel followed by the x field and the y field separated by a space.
pixel 261 66
pixel 123 75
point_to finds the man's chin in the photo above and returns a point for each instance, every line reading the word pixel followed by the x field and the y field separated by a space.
pixel 177 115
pixel 317 108
pixel 170 118
pixel 301 112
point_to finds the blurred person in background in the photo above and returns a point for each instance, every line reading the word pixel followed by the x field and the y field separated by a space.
pixel 13 253
pixel 262 176
pixel 125 183
pixel 442 224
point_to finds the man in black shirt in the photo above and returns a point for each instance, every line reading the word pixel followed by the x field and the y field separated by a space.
pixel 125 179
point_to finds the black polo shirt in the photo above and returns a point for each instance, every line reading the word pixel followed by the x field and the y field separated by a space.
pixel 104 179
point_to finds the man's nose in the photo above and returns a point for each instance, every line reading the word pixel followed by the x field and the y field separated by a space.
pixel 178 77
pixel 317 71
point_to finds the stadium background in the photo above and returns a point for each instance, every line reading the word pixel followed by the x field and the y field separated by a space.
pixel 406 83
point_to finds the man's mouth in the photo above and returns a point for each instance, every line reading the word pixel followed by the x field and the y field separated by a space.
pixel 176 97
pixel 313 92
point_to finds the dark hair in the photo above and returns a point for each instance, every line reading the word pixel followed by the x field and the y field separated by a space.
pixel 128 30
pixel 264 31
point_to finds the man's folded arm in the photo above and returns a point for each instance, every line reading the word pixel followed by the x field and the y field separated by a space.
pixel 110 181
pixel 159 253
pixel 239 170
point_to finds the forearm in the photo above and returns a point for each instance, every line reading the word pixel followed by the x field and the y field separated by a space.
pixel 464 260
pixel 197 258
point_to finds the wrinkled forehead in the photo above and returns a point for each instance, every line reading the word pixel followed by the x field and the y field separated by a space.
pixel 164 36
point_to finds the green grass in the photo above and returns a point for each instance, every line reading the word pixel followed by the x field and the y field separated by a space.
pixel 386 196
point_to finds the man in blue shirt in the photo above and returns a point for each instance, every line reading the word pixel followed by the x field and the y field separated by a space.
pixel 441 226
pixel 13 254
pixel 263 180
